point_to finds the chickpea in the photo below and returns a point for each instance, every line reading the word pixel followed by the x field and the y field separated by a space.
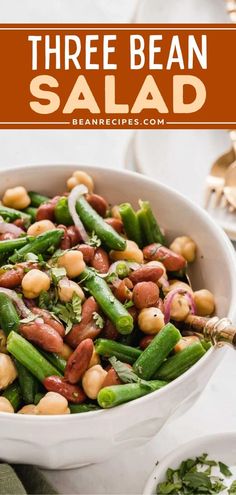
pixel 53 403
pixel 80 177
pixel 185 246
pixel 35 282
pixel 95 359
pixel 151 320
pixel 73 262
pixel 8 372
pixel 67 288
pixel 29 409
pixel 40 227
pixel 177 284
pixel 3 342
pixel 17 197
pixel 65 352
pixel 131 253
pixel 5 405
pixel 185 342
pixel 179 308
pixel 205 302
pixel 92 380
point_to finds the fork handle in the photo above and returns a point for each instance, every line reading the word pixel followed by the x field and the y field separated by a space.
pixel 231 9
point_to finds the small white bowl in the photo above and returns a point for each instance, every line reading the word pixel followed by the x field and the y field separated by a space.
pixel 219 447
pixel 57 442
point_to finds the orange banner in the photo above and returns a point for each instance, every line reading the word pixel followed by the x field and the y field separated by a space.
pixel 117 76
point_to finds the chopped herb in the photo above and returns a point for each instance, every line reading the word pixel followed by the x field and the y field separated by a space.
pixel 69 313
pixel 128 304
pixel 232 488
pixel 31 257
pixel 44 301
pixel 57 274
pixel 111 277
pixel 98 320
pixel 191 479
pixel 125 373
pixel 94 240
pixel 225 470
pixel 30 318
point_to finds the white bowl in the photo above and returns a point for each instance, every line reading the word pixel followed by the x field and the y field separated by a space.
pixel 219 447
pixel 66 442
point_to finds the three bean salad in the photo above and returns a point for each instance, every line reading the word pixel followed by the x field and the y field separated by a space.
pixel 92 302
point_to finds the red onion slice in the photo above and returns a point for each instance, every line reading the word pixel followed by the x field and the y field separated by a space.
pixel 10 228
pixel 72 198
pixel 23 310
pixel 169 298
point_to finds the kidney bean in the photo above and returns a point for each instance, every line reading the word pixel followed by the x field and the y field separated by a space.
pixel 116 224
pixel 74 235
pixel 145 294
pixel 100 261
pixel 145 341
pixel 87 328
pixel 65 240
pixel 134 313
pixel 122 290
pixel 79 361
pixel 49 320
pixel 98 203
pixel 173 262
pixel 111 379
pixel 19 222
pixel 45 212
pixel 109 331
pixel 43 335
pixel 87 252
pixel 12 278
pixel 146 274
pixel 73 393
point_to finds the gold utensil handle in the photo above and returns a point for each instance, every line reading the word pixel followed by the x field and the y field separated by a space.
pixel 231 8
pixel 219 331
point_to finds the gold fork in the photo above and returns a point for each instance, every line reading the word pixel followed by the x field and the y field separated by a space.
pixel 215 180
pixel 231 8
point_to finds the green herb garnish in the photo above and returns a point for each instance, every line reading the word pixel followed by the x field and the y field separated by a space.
pixel 194 477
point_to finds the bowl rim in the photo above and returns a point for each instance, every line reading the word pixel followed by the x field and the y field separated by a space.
pixel 200 211
pixel 183 449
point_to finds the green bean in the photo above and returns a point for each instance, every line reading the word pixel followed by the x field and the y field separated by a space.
pixel 55 359
pixel 13 394
pixel 28 383
pixel 61 212
pixel 12 244
pixel 113 309
pixel 131 223
pixel 38 397
pixel 9 319
pixel 37 199
pixel 122 269
pixel 157 351
pixel 118 394
pixel 125 353
pixel 95 223
pixel 150 229
pixel 32 212
pixel 82 408
pixel 30 357
pixel 40 245
pixel 10 215
pixel 179 363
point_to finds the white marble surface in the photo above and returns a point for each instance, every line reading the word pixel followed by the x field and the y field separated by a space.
pixel 215 410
